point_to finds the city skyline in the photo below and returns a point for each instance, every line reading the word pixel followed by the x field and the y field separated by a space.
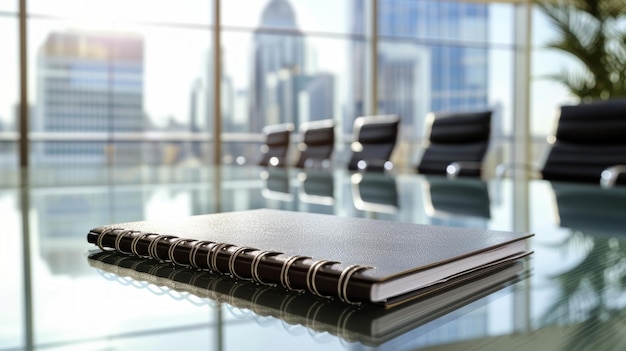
pixel 169 88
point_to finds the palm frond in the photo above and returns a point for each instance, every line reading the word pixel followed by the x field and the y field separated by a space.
pixel 581 83
pixel 591 32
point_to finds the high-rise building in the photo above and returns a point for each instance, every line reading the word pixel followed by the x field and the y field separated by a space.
pixel 424 61
pixel 89 82
pixel 278 62
pixel 282 89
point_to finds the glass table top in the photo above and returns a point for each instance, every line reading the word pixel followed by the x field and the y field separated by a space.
pixel 53 298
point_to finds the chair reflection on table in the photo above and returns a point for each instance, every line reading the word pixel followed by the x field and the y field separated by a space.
pixel 316 187
pixel 459 202
pixel 277 184
pixel 591 208
pixel 596 248
pixel 375 192
pixel 316 191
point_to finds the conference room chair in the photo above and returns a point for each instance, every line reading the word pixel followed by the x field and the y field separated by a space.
pixel 275 150
pixel 589 144
pixel 316 148
pixel 374 139
pixel 457 143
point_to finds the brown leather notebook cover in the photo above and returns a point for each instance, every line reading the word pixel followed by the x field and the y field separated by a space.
pixel 354 259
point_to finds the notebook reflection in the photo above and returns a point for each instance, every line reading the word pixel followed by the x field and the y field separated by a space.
pixel 368 324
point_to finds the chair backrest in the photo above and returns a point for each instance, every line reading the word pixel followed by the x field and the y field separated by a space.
pixel 318 140
pixel 461 137
pixel 589 138
pixel 274 151
pixel 374 141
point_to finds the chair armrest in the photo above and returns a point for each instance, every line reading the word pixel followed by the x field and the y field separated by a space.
pixel 609 176
pixel 454 169
pixel 379 165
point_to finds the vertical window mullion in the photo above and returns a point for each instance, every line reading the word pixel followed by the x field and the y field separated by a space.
pixel 23 82
pixel 374 57
pixel 217 84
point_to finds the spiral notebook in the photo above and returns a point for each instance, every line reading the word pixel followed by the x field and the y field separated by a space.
pixel 366 323
pixel 352 259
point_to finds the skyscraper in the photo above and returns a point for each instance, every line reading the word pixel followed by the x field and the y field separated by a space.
pixel 431 57
pixel 283 88
pixel 278 62
pixel 89 82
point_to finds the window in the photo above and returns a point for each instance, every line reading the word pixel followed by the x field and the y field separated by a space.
pixel 289 62
pixel 112 83
pixel 110 76
pixel 9 89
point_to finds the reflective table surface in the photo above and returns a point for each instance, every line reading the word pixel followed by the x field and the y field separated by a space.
pixel 52 297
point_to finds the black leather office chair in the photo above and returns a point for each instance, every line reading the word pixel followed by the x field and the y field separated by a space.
pixel 374 141
pixel 275 150
pixel 590 139
pixel 458 142
pixel 318 140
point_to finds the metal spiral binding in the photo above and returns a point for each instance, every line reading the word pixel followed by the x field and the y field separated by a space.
pixel 212 260
pixel 101 236
pixel 154 244
pixel 254 267
pixel 133 244
pixel 233 258
pixel 172 248
pixel 118 240
pixel 284 272
pixel 344 279
pixel 312 272
pixel 212 256
pixel 194 249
